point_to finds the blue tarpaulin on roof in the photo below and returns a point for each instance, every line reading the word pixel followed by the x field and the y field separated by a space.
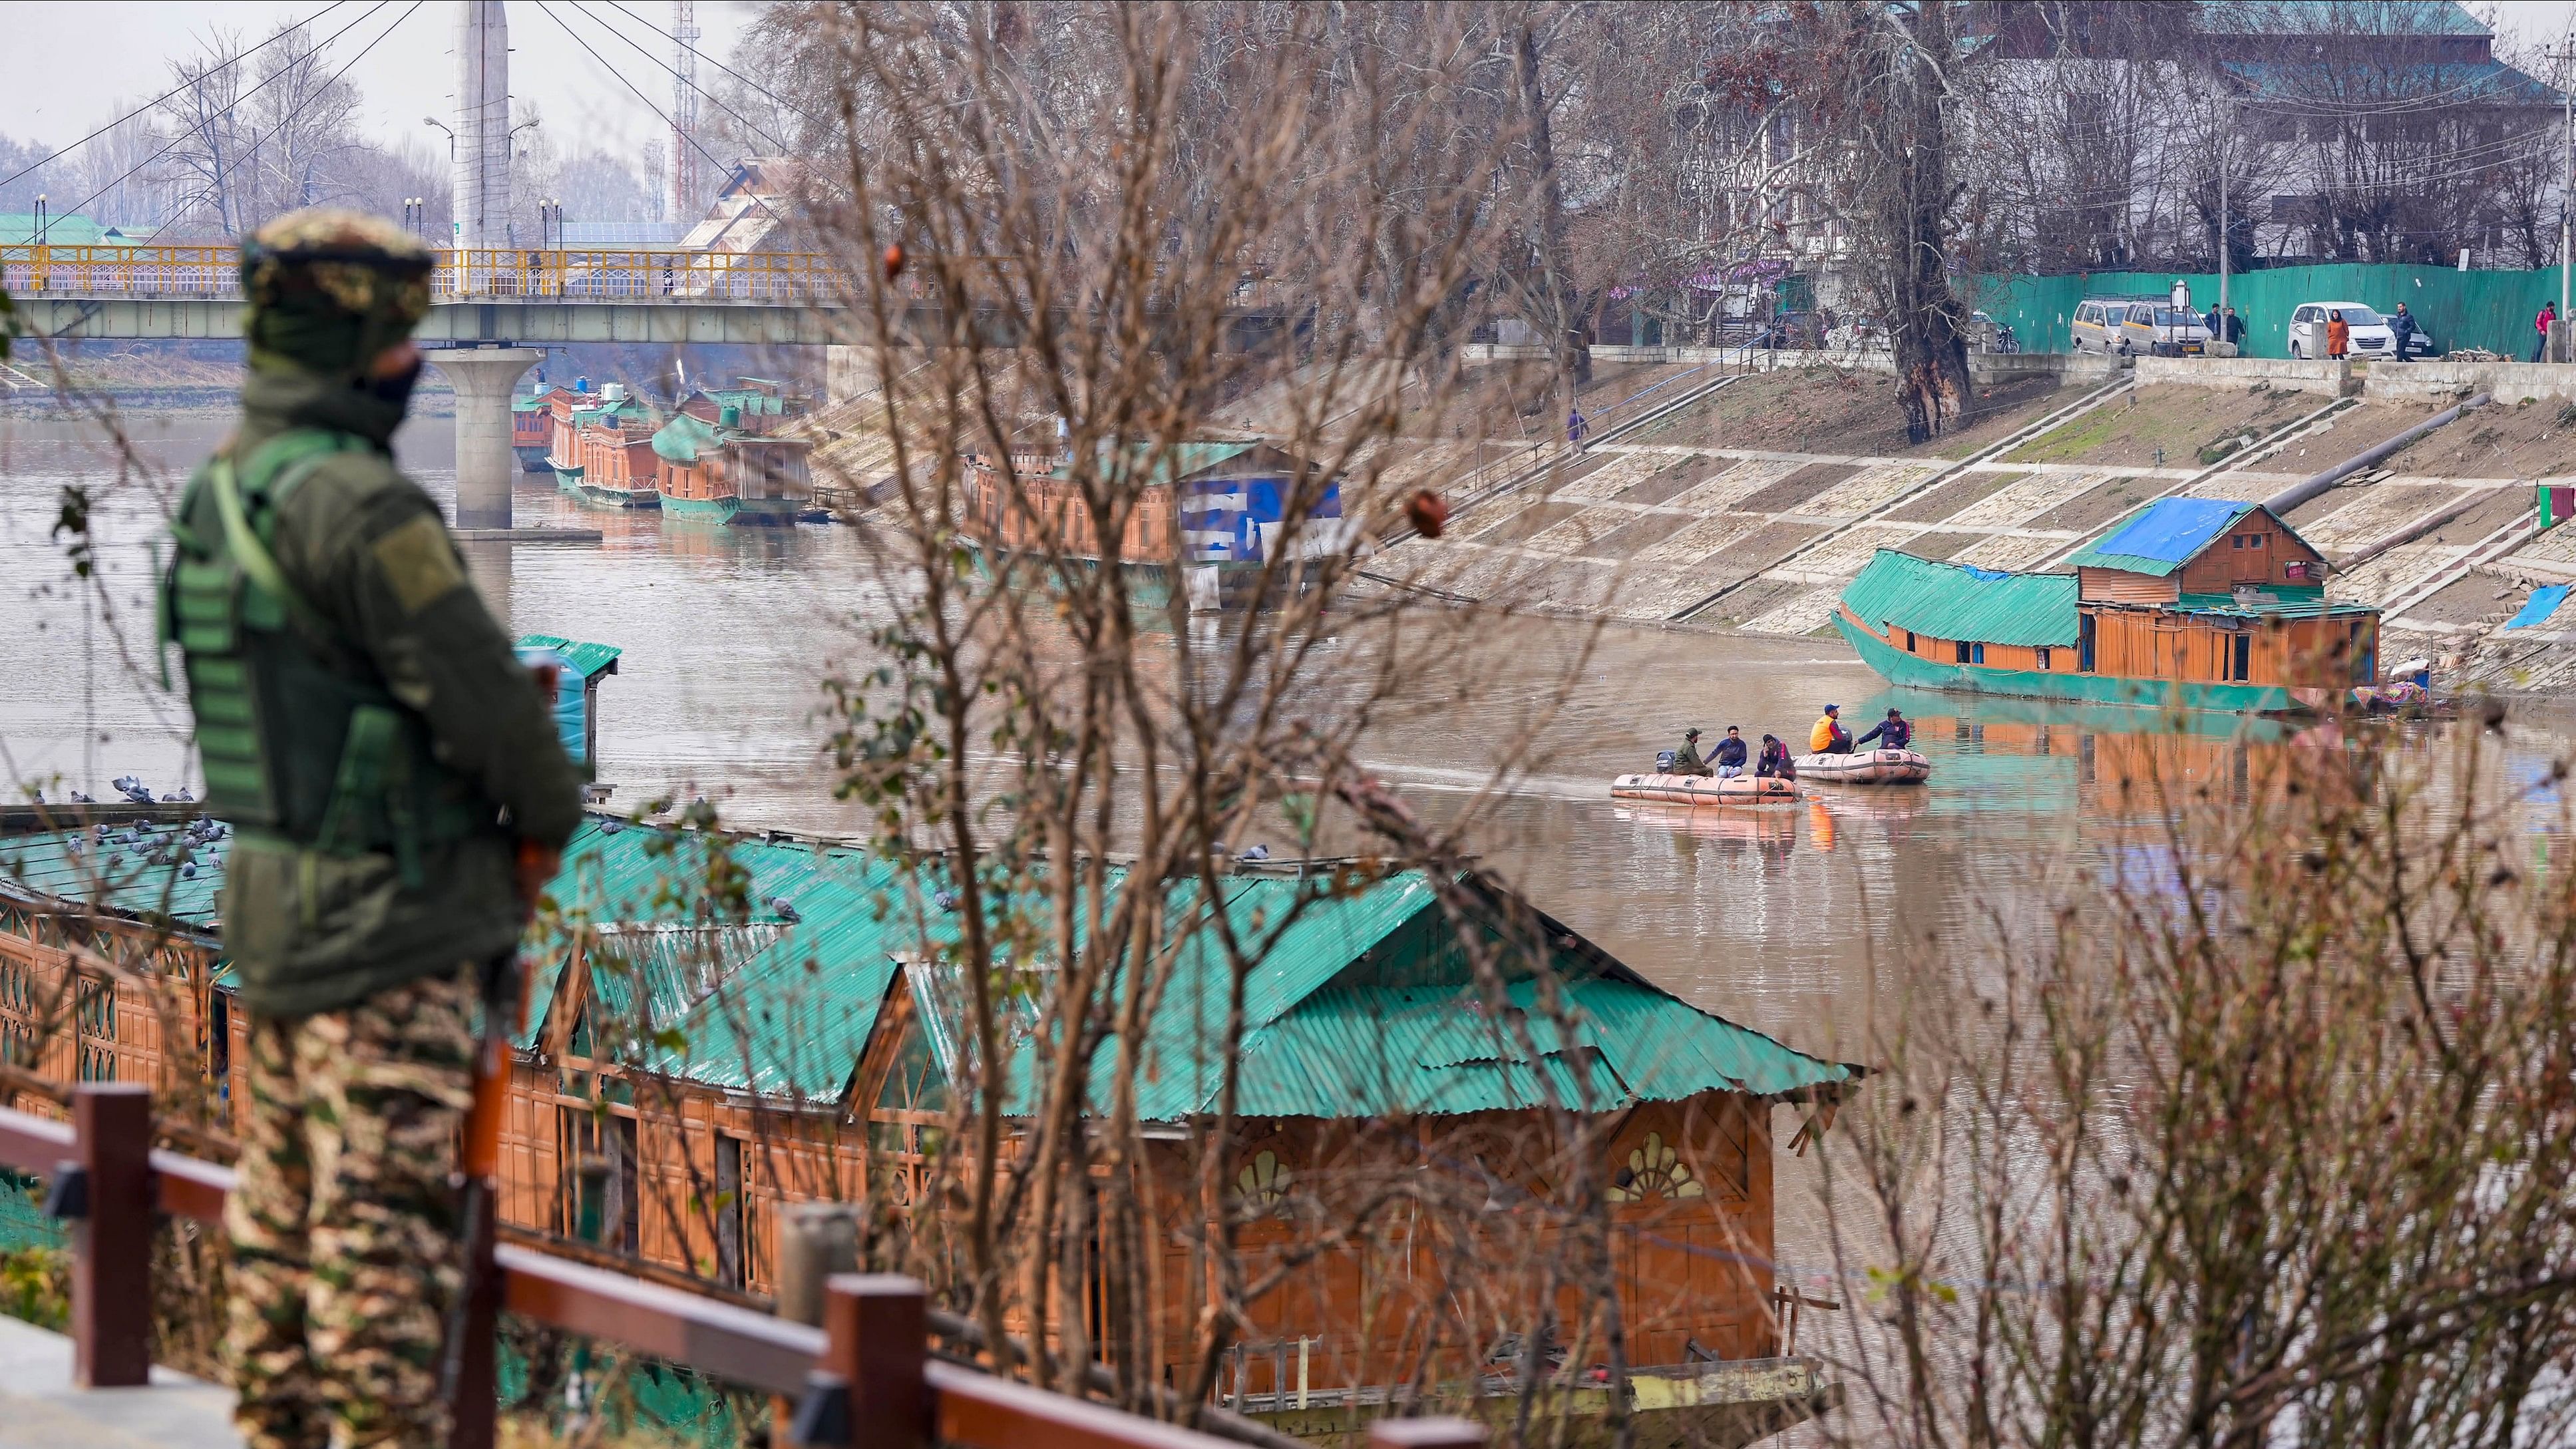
pixel 2544 601
pixel 2168 531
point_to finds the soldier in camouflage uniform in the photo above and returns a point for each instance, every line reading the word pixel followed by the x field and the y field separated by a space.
pixel 400 797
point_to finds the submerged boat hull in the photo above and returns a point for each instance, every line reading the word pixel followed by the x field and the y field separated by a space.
pixel 1704 790
pixel 1865 767
pixel 1898 667
pixel 705 510
pixel 600 495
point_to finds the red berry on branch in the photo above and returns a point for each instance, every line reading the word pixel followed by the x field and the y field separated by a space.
pixel 894 261
pixel 1428 514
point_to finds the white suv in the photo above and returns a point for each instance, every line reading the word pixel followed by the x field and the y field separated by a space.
pixel 2370 334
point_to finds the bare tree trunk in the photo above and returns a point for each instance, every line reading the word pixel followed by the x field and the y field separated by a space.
pixel 1563 310
pixel 1914 203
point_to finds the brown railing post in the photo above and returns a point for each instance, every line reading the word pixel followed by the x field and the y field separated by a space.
pixel 876 1328
pixel 1426 1434
pixel 474 1418
pixel 112 1241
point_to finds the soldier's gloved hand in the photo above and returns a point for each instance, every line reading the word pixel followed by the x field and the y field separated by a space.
pixel 535 866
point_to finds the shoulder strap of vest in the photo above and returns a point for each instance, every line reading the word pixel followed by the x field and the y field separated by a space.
pixel 274 469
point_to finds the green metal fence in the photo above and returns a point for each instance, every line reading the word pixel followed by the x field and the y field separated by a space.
pixel 2493 310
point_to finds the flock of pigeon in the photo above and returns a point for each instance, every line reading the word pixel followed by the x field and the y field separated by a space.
pixel 186 846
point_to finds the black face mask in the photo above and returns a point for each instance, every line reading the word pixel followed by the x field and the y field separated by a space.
pixel 395 389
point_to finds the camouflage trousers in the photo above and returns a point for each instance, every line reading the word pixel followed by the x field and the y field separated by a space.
pixel 345 1225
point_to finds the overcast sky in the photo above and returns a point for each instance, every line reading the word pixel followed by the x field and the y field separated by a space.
pixel 69 62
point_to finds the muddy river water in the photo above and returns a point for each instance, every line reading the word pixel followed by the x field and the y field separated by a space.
pixel 1782 919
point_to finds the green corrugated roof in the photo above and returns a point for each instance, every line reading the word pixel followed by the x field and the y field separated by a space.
pixel 590 660
pixel 680 439
pixel 18 228
pixel 115 874
pixel 1954 601
pixel 1362 1003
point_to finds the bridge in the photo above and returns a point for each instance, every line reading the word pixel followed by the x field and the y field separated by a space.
pixel 491 311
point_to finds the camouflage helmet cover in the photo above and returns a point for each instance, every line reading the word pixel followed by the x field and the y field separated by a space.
pixel 330 289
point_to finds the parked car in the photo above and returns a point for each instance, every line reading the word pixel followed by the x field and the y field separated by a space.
pixel 2098 321
pixel 2161 329
pixel 1791 331
pixel 2370 334
pixel 1859 333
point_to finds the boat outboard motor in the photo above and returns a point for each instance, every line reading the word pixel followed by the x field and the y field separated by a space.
pixel 1665 760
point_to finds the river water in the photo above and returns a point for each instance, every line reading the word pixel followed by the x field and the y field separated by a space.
pixel 1785 919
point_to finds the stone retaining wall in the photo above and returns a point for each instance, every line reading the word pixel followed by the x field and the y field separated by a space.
pixel 2328 379
pixel 2507 382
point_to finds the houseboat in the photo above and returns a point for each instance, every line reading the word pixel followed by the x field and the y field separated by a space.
pixel 716 470
pixel 2202 602
pixel 532 428
pixel 1208 518
pixel 604 450
pixel 808 1052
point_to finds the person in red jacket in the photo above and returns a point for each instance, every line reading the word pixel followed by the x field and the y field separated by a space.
pixel 2548 317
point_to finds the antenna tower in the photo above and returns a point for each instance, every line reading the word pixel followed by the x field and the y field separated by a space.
pixel 684 110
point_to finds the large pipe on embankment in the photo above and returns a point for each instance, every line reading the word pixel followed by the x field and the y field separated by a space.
pixel 2297 493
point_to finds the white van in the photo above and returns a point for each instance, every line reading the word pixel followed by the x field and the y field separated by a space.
pixel 2097 323
pixel 2161 329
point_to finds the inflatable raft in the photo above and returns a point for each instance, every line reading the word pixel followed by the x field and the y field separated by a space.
pixel 1865 767
pixel 1704 790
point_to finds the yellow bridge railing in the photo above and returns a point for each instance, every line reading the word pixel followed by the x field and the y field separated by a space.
pixel 526 274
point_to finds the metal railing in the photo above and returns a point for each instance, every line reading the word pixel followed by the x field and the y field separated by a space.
pixel 529 273
pixel 867 1365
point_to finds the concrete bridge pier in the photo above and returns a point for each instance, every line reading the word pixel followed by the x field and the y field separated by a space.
pixel 484 378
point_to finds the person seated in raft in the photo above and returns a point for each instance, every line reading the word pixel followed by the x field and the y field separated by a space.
pixel 1688 761
pixel 1775 760
pixel 1729 757
pixel 1829 737
pixel 1893 732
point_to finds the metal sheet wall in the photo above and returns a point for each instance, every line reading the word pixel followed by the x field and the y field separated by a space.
pixel 2487 309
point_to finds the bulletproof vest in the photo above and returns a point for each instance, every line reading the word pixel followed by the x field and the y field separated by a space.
pixel 298 735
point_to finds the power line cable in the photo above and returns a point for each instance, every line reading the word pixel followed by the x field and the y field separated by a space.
pixel 720 65
pixel 314 95
pixel 174 141
pixel 548 12
pixel 675 74
pixel 174 90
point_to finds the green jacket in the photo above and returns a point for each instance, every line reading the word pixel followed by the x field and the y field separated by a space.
pixel 315 930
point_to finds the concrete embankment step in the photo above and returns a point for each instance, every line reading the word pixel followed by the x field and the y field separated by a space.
pixel 1825 558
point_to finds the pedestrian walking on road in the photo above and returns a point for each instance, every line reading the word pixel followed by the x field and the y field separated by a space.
pixel 2338 335
pixel 2235 329
pixel 1576 429
pixel 2547 319
pixel 400 795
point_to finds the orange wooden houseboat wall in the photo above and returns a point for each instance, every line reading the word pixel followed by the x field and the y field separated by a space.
pixel 691 1178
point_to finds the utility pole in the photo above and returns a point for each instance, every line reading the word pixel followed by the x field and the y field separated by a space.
pixel 2556 349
